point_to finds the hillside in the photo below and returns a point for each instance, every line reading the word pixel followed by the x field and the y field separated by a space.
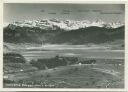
pixel 86 35
pixel 90 35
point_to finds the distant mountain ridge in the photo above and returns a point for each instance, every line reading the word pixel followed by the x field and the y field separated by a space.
pixel 67 25
pixel 92 34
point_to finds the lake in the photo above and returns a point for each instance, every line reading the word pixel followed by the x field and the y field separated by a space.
pixel 83 51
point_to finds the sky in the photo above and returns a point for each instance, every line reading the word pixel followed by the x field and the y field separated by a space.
pixel 29 11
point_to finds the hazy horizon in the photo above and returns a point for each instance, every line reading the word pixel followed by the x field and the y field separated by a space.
pixel 30 11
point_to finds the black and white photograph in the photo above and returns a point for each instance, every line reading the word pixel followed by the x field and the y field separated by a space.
pixel 63 45
pixel 62 91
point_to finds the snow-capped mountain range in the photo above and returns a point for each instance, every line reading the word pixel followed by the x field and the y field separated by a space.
pixel 65 24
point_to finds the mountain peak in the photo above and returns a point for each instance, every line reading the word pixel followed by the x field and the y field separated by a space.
pixel 65 24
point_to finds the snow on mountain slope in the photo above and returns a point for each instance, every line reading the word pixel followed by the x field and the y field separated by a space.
pixel 65 24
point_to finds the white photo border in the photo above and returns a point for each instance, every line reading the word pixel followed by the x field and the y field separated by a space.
pixel 65 1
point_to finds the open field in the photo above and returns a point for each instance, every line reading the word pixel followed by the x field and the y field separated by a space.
pixel 73 76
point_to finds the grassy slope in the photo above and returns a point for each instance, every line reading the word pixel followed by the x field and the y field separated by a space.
pixel 76 76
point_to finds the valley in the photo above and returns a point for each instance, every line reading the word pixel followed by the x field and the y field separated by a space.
pixel 63 54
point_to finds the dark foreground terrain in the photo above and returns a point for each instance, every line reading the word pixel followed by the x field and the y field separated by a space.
pixel 62 72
